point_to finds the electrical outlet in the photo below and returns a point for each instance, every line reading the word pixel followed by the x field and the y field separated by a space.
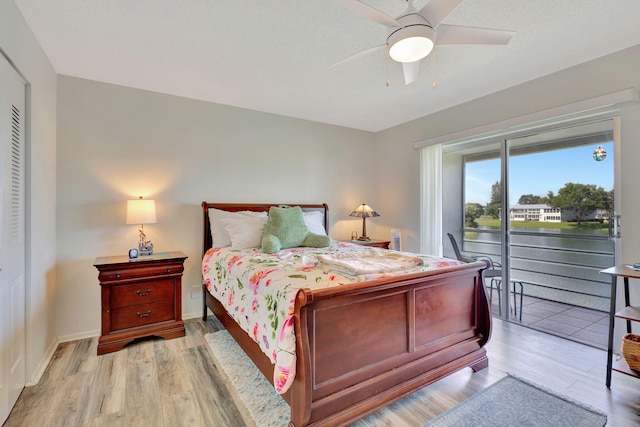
pixel 196 292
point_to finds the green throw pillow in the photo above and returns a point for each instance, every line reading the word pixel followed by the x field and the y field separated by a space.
pixel 286 228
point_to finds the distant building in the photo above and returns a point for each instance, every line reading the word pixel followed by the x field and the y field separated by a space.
pixel 538 212
pixel 602 215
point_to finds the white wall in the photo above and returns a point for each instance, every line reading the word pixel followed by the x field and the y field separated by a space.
pixel 20 46
pixel 115 143
pixel 602 76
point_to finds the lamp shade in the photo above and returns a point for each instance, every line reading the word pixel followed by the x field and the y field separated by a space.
pixel 364 211
pixel 412 41
pixel 141 211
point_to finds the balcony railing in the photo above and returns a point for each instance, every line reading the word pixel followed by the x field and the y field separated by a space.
pixel 554 266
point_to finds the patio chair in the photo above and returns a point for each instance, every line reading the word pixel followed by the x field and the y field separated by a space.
pixel 493 273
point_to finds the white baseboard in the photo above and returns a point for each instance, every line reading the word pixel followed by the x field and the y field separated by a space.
pixel 44 362
pixel 194 315
pixel 79 336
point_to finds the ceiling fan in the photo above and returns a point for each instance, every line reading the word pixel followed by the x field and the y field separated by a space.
pixel 414 33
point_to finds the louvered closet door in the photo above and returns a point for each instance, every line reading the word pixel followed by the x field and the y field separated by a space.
pixel 12 237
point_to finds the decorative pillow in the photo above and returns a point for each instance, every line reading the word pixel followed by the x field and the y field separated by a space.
pixel 315 222
pixel 219 235
pixel 286 229
pixel 244 232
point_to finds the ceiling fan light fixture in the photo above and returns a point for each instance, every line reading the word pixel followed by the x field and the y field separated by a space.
pixel 413 41
pixel 410 49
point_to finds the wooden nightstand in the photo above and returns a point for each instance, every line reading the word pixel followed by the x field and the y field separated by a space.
pixel 140 298
pixel 384 244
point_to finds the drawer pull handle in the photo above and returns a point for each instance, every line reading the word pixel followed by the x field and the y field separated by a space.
pixel 147 314
pixel 143 294
pixel 117 274
pixel 168 269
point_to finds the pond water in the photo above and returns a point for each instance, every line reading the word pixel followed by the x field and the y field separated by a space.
pixel 587 231
pixel 560 265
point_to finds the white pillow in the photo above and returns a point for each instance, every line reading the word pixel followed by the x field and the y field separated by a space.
pixel 315 222
pixel 245 232
pixel 219 235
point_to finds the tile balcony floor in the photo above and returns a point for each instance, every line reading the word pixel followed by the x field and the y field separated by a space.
pixel 579 324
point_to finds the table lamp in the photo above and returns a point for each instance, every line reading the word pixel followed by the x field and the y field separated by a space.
pixel 142 211
pixel 364 211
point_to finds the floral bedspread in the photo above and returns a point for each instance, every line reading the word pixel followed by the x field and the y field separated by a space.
pixel 259 290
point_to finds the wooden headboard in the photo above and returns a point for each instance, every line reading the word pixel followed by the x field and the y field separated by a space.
pixel 255 207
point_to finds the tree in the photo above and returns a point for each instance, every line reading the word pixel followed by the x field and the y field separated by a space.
pixel 493 210
pixel 496 193
pixel 580 199
pixel 493 207
pixel 472 211
pixel 531 199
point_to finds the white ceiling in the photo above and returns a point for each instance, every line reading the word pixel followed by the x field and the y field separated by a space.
pixel 274 56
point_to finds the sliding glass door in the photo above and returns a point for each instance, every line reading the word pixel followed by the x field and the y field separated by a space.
pixel 540 206
pixel 561 201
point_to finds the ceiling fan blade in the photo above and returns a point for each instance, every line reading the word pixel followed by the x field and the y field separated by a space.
pixel 368 12
pixel 436 10
pixel 454 34
pixel 358 55
pixel 411 71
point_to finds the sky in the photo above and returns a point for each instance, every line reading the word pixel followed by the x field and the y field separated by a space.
pixel 540 173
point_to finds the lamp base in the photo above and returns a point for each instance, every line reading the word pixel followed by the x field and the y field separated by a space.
pixel 145 248
pixel 364 239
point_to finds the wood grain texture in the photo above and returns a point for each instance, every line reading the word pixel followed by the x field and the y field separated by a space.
pixel 134 387
pixel 140 298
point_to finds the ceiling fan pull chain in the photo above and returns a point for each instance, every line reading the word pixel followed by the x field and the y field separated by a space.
pixel 435 70
pixel 386 68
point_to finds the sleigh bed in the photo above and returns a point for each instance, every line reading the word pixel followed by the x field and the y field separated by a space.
pixel 362 345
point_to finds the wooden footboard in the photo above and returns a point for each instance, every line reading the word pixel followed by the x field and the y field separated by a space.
pixel 363 346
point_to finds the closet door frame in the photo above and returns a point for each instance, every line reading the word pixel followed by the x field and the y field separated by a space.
pixel 13 129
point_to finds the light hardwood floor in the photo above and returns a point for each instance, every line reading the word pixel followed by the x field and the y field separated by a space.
pixel 174 382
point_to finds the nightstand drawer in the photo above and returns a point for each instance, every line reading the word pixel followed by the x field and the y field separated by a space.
pixel 142 293
pixel 116 275
pixel 143 314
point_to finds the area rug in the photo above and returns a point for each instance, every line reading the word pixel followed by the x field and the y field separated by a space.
pixel 514 402
pixel 255 397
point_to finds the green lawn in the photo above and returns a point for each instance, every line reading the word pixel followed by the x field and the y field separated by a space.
pixel 573 226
